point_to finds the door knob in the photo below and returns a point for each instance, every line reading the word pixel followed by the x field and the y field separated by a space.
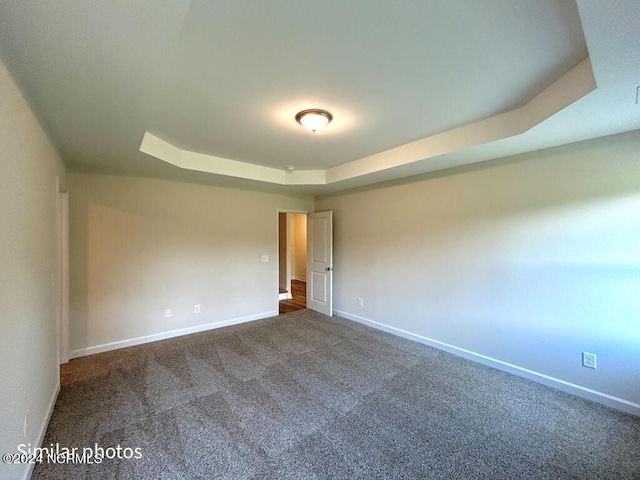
pixel 328 269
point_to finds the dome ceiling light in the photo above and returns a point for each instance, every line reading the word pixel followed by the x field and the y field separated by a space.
pixel 314 119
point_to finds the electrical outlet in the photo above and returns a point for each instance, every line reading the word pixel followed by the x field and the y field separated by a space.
pixel 265 258
pixel 588 360
pixel 196 309
pixel 25 426
pixel 360 302
pixel 167 313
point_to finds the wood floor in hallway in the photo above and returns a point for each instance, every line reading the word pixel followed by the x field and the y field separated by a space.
pixel 299 300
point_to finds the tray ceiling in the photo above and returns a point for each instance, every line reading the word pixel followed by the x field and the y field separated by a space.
pixel 213 87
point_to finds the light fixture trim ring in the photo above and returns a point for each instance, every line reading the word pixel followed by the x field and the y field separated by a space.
pixel 313 111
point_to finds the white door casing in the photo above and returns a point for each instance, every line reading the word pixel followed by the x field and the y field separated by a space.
pixel 63 272
pixel 320 262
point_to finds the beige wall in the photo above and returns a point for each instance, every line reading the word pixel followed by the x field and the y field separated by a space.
pixel 140 246
pixel 529 260
pixel 299 246
pixel 28 274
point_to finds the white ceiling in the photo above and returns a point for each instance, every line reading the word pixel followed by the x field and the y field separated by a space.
pixel 224 79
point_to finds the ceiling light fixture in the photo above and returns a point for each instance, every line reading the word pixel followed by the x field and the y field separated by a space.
pixel 314 119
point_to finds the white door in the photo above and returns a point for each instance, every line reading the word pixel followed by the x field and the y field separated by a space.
pixel 320 268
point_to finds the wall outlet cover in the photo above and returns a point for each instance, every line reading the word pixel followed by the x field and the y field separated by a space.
pixel 589 360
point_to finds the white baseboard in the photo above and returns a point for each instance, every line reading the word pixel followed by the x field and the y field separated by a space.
pixel 300 279
pixel 83 352
pixel 43 425
pixel 578 390
pixel 285 296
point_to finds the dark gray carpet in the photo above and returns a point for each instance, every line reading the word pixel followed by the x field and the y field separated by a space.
pixel 304 396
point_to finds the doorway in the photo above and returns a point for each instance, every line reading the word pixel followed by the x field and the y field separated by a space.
pixel 292 261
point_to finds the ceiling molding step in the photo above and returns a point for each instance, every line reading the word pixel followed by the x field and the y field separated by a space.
pixel 569 88
pixel 185 159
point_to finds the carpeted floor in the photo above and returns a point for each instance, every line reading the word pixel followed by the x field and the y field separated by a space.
pixel 305 396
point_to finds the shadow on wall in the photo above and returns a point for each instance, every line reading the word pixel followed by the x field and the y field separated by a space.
pixel 141 246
